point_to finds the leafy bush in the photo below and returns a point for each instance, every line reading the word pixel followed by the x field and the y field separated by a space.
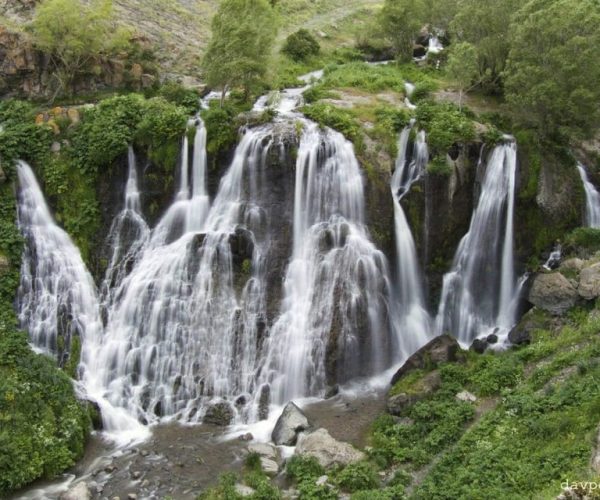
pixel 221 127
pixel 301 468
pixel 585 238
pixel 185 98
pixel 335 118
pixel 445 125
pixel 357 476
pixel 492 373
pixel 20 137
pixel 44 428
pixel 301 45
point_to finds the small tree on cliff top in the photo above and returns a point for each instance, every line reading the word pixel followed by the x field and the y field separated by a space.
pixel 243 32
pixel 74 33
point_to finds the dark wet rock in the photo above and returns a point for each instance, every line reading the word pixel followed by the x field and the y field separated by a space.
pixel 531 321
pixel 553 292
pixel 289 425
pixel 263 402
pixel 439 350
pixel 479 346
pixel 220 413
pixel 95 414
pixel 332 391
pixel 492 339
pixel 246 437
pixel 242 245
pixel 419 51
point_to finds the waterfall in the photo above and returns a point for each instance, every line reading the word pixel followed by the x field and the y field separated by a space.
pixel 479 294
pixel 413 322
pixel 184 332
pixel 592 199
pixel 57 299
pixel 333 321
pixel 127 236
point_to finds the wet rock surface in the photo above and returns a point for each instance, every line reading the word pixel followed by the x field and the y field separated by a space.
pixel 289 425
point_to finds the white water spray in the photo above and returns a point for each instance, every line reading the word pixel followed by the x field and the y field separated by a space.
pixel 592 199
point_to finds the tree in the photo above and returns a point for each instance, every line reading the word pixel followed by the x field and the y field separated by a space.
pixel 553 69
pixel 401 21
pixel 243 32
pixel 301 45
pixel 73 34
pixel 463 68
pixel 485 25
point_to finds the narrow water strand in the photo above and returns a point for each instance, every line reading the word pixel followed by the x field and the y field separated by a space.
pixel 333 323
pixel 478 296
pixel 592 199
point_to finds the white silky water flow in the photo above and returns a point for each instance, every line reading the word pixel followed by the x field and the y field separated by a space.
pixel 592 199
pixel 336 285
pixel 479 294
pixel 412 320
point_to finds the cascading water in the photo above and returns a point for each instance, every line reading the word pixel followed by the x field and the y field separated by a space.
pixel 592 199
pixel 57 298
pixel 412 319
pixel 127 237
pixel 181 334
pixel 479 294
pixel 334 321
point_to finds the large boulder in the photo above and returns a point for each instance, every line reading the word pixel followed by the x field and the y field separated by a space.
pixel 78 492
pixel 220 413
pixel 553 292
pixel 289 425
pixel 430 383
pixel 439 350
pixel 327 450
pixel 589 282
pixel 532 320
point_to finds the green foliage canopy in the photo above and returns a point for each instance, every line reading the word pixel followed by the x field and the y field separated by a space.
pixel 243 32
pixel 553 68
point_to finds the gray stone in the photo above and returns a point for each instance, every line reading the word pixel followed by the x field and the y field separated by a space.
pixel 269 467
pixel 243 490
pixel 327 450
pixel 589 282
pixel 55 147
pixel 264 450
pixel 466 396
pixel 322 481
pixel 553 292
pixel 573 264
pixel 291 423
pixel 78 492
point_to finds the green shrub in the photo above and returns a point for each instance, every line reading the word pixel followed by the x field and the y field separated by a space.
pixel 335 118
pixel 221 127
pixel 445 125
pixel 188 99
pixel 301 45
pixel 491 374
pixel 301 468
pixel 356 477
pixel 440 166
pixel 584 238
pixel 43 427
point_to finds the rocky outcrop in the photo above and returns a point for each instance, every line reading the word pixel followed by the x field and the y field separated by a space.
pixel 553 292
pixel 270 459
pixel 430 383
pixel 26 72
pixel 220 413
pixel 4 264
pixel 439 350
pixel 290 424
pixel 327 450
pixel 589 282
pixel 531 321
